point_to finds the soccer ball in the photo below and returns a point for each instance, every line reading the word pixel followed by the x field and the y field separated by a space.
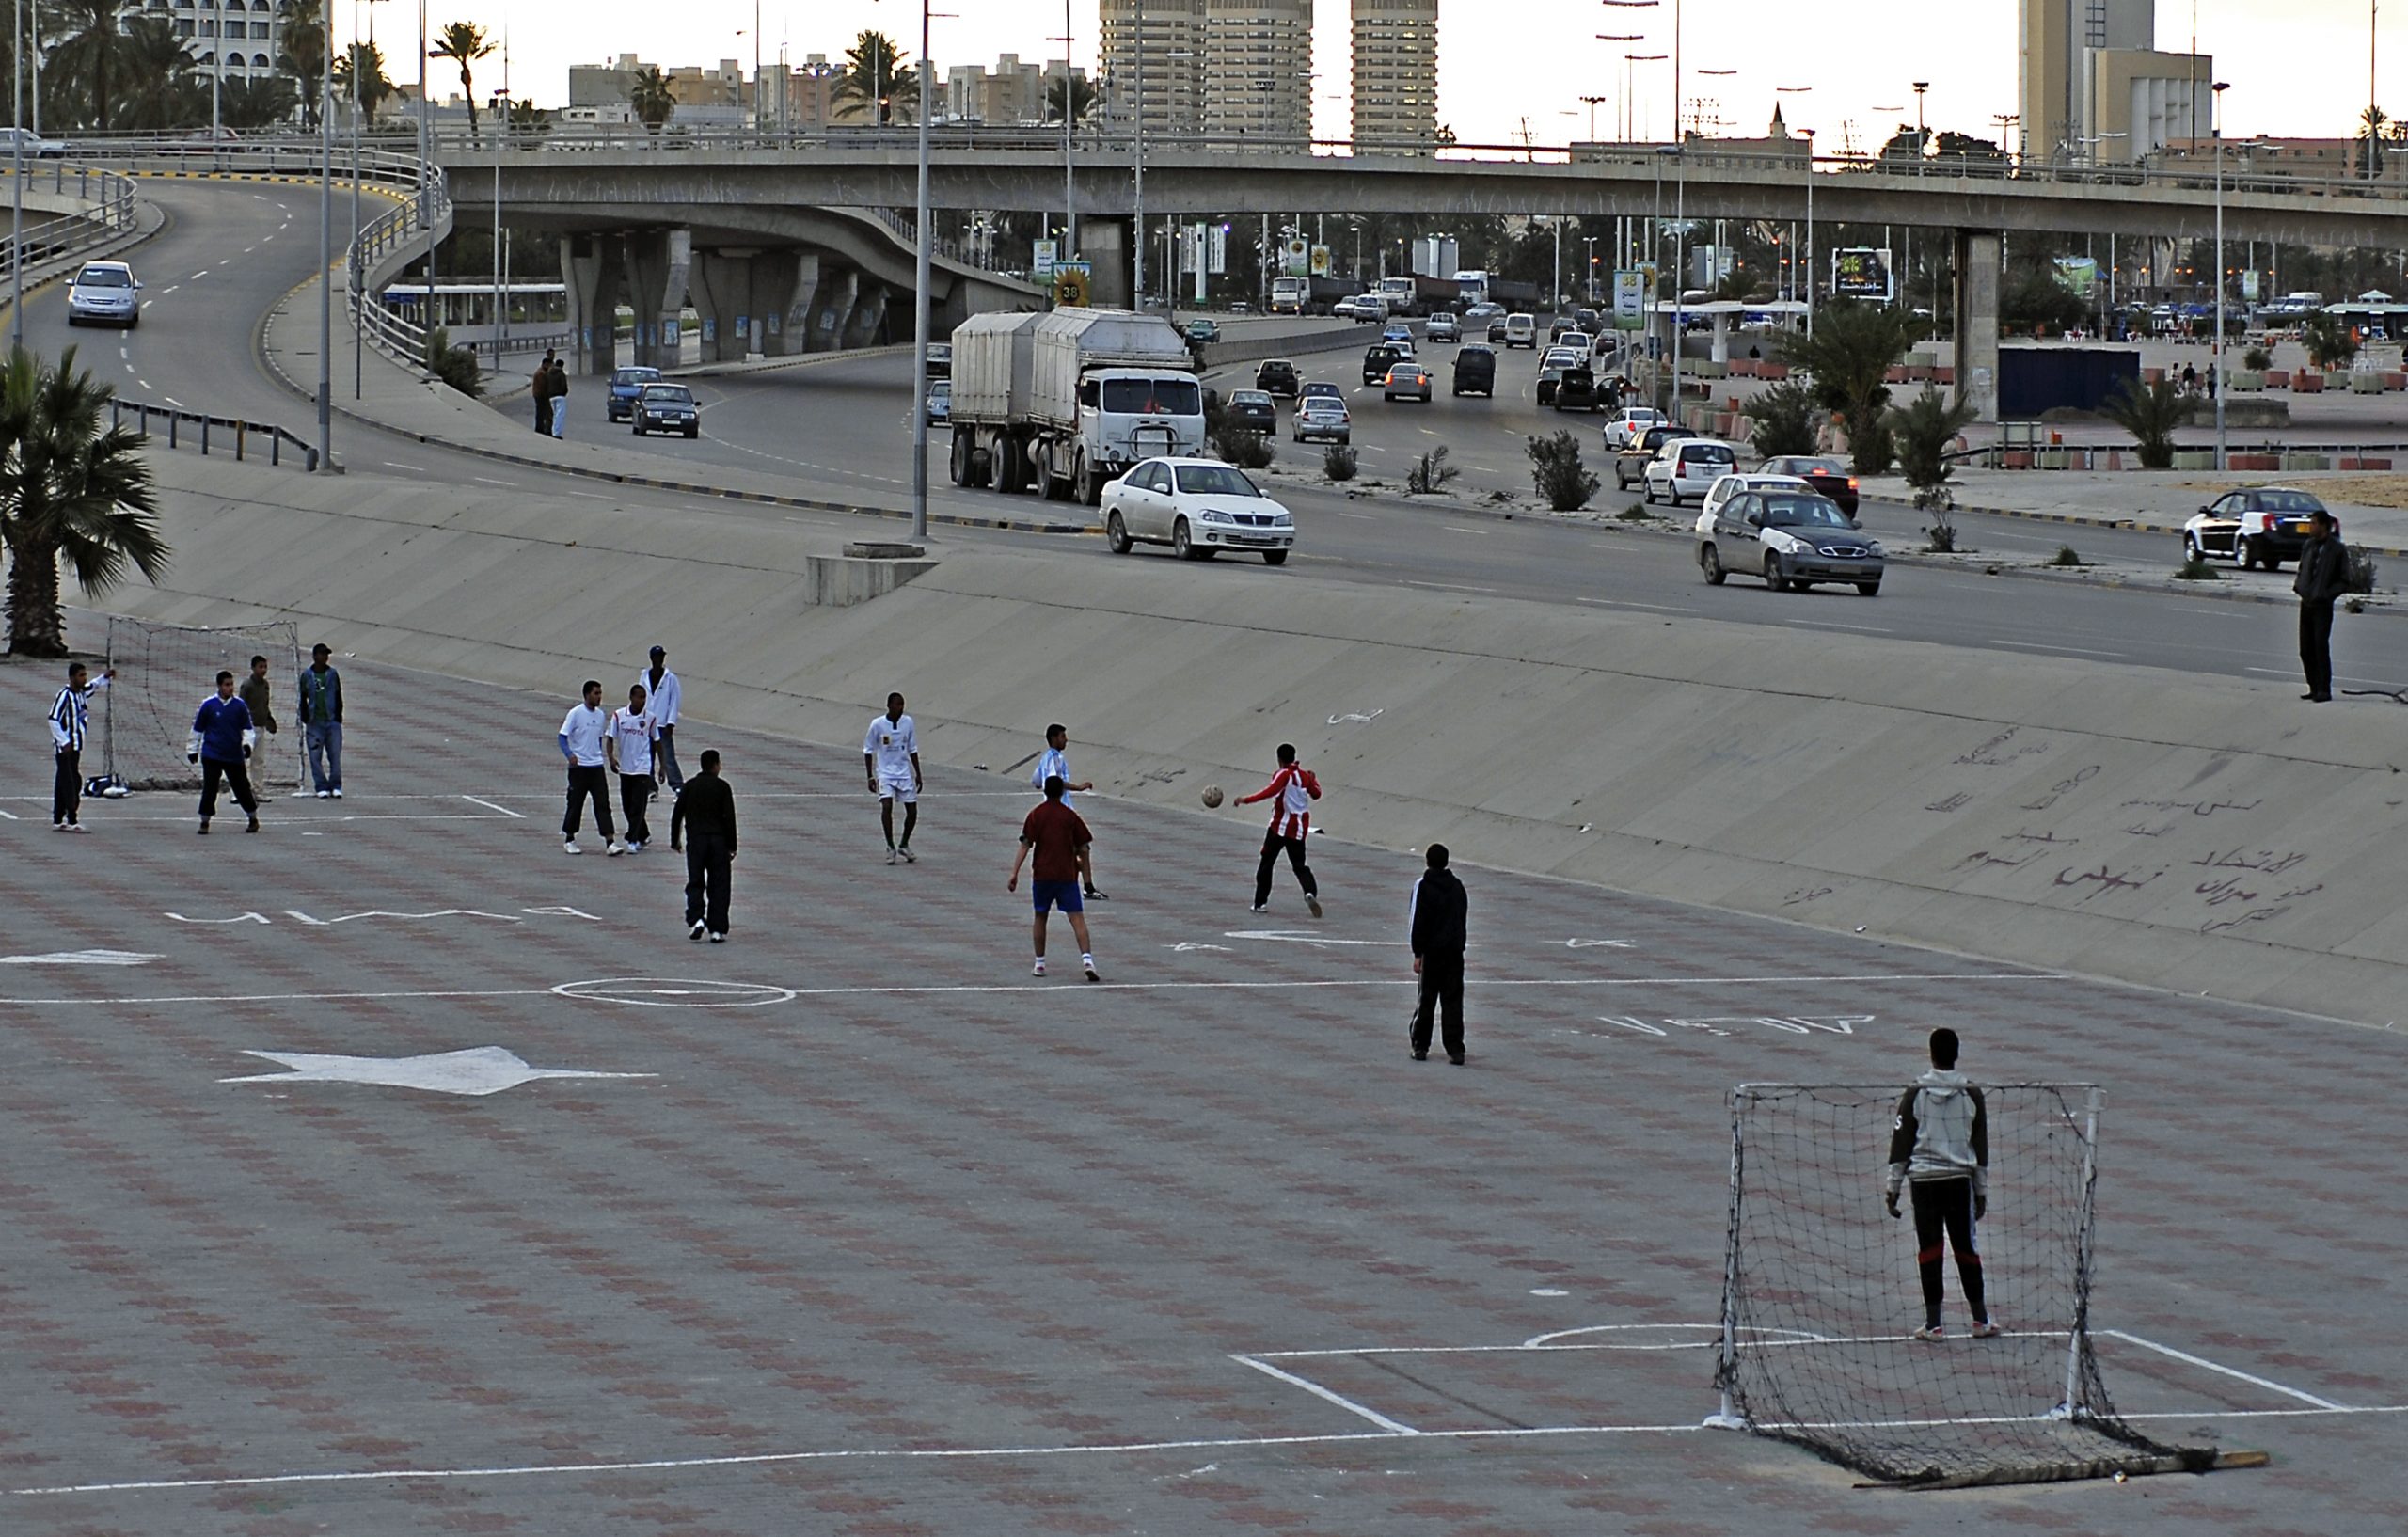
pixel 1212 796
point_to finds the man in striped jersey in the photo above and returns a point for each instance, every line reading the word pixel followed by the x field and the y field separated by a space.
pixel 68 723
pixel 1291 791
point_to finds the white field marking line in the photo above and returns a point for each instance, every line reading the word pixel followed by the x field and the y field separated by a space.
pixel 391 463
pixel 10 815
pixel 1361 517
pixel 1454 527
pixel 363 817
pixel 1235 1443
pixel 1624 603
pixel 170 289
pixel 1324 1394
pixel 490 806
pixel 2044 645
pixel 172 401
pixel 2189 1359
pixel 1833 624
pixel 1086 991
pixel 487 480
pixel 2293 672
pixel 1449 587
pixel 590 496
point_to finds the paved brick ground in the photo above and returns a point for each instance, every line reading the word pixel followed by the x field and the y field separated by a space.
pixel 929 1248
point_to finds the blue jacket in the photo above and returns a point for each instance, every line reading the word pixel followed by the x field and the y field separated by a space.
pixel 221 723
pixel 321 696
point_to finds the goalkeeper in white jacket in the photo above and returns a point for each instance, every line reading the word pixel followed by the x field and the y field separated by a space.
pixel 1939 1151
pixel 221 742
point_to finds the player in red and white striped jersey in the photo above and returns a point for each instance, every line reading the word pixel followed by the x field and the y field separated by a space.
pixel 1291 791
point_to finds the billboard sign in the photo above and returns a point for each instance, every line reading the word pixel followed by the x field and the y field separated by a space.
pixel 1070 279
pixel 2077 276
pixel 1863 272
pixel 1631 288
pixel 1040 265
pixel 1296 259
pixel 1321 260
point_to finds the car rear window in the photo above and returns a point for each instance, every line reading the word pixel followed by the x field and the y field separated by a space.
pixel 2289 502
pixel 1706 453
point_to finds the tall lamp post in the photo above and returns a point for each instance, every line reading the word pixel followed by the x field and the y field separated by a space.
pixel 926 241
pixel 1922 136
pixel 1604 37
pixel 1622 126
pixel 1810 229
pixel 2215 378
pixel 17 182
pixel 326 236
pixel 1630 63
pixel 1070 175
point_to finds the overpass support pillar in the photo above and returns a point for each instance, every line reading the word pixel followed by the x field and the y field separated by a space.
pixel 1105 243
pixel 722 287
pixel 869 316
pixel 589 269
pixel 837 292
pixel 658 261
pixel 1980 258
pixel 783 283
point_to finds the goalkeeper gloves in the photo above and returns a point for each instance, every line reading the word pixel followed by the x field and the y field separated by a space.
pixel 250 739
pixel 192 750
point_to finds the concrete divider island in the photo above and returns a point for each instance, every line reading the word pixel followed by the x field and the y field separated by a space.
pixel 2200 835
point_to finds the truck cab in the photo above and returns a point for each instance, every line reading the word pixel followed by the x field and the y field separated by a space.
pixel 1129 414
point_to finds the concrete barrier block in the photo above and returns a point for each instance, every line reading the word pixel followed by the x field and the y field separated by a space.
pixel 2014 459
pixel 2363 462
pixel 2246 383
pixel 2278 378
pixel 2395 381
pixel 2297 461
pixel 2193 459
pixel 2309 384
pixel 2365 384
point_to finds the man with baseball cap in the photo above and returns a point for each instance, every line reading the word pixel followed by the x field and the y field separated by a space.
pixel 662 688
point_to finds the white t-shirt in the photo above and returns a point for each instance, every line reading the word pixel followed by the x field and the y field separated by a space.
pixel 890 745
pixel 1051 763
pixel 584 728
pixel 665 700
pixel 633 731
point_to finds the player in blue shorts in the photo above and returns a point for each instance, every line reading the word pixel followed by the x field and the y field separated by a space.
pixel 1059 840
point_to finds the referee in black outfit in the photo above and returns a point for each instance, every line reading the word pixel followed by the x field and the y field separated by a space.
pixel 1438 908
pixel 706 814
pixel 2323 577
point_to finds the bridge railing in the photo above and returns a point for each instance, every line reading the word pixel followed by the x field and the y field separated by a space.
pixel 244 439
pixel 109 211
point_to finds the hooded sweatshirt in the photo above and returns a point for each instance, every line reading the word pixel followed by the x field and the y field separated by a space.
pixel 1943 1133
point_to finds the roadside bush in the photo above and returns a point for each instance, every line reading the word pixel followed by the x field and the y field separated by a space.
pixel 1338 462
pixel 2361 568
pixel 1430 472
pixel 1558 473
pixel 2196 569
pixel 2066 555
pixel 2330 345
pixel 2256 359
pixel 1246 449
pixel 1785 419
pixel 454 366
pixel 2151 414
pixel 1636 512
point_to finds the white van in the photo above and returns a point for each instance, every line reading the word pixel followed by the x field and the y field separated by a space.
pixel 1521 331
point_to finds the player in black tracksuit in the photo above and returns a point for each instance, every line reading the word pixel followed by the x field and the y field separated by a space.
pixel 1939 1148
pixel 1438 908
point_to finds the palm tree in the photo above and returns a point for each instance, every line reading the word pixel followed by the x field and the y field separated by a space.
pixel 2370 124
pixel 303 57
pixel 92 56
pixel 72 486
pixel 876 78
pixel 255 103
pixel 650 94
pixel 359 77
pixel 528 120
pixel 1083 99
pixel 1849 358
pixel 463 44
pixel 162 91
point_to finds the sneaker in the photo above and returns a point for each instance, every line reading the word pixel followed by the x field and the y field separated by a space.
pixel 1312 905
pixel 908 857
pixel 1088 962
pixel 204 827
pixel 59 827
pixel 1037 969
pixel 1421 1056
pixel 77 827
pixel 695 933
pixel 615 848
pixel 890 853
pixel 635 846
pixel 336 792
pixel 323 794
pixel 1986 1330
pixel 1259 907
pixel 1931 1332
pixel 719 939
pixel 1455 1057
pixel 252 825
pixel 568 846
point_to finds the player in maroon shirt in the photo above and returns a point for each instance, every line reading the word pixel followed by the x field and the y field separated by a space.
pixel 1059 840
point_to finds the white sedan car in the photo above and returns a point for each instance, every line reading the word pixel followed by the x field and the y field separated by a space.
pixel 104 293
pixel 1732 484
pixel 1631 425
pixel 1199 507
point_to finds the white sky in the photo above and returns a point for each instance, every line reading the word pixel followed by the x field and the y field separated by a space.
pixel 2297 66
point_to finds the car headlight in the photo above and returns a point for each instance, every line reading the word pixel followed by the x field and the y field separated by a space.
pixel 1283 521
pixel 1873 547
pixel 1213 515
pixel 1787 543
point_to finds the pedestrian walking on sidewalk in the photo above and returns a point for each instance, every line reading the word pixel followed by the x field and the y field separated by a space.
pixel 890 755
pixel 668 697
pixel 559 373
pixel 221 743
pixel 629 747
pixel 542 389
pixel 704 820
pixel 1055 763
pixel 1059 839
pixel 1435 918
pixel 69 723
pixel 1291 792
pixel 320 691
pixel 583 733
pixel 2323 577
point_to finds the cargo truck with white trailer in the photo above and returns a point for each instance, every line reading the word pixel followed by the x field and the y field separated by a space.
pixel 1063 402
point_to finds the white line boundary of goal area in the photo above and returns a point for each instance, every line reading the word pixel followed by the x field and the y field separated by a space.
pixel 787 994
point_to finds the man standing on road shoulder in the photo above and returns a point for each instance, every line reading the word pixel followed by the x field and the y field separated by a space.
pixel 1055 763
pixel 628 748
pixel 1437 922
pixel 558 373
pixel 1059 839
pixel 668 696
pixel 542 389
pixel 2323 577
pixel 222 738
pixel 706 817
pixel 320 691
pixel 890 755
pixel 69 722
pixel 584 733
pixel 1292 789
pixel 1939 1150
pixel 254 693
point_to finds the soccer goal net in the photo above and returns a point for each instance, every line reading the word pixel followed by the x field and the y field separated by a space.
pixel 1823 1293
pixel 162 674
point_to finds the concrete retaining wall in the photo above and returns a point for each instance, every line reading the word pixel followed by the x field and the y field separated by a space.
pixel 2198 835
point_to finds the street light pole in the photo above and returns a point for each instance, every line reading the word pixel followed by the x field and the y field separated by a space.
pixel 1809 230
pixel 1070 177
pixel 326 236
pixel 17 182
pixel 926 243
pixel 2216 379
pixel 1922 138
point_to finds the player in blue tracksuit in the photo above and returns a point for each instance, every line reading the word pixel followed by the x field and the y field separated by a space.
pixel 222 738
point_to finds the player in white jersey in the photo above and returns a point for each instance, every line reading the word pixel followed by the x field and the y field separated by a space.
pixel 890 757
pixel 628 743
pixel 1055 763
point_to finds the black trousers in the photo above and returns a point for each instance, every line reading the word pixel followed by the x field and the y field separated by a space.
pixel 2315 646
pixel 544 413
pixel 588 783
pixel 1945 1207
pixel 67 787
pixel 1441 992
pixel 237 778
pixel 710 864
pixel 634 791
pixel 1272 845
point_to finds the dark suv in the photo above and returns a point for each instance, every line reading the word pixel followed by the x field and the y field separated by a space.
pixel 1276 377
pixel 1380 359
pixel 1475 370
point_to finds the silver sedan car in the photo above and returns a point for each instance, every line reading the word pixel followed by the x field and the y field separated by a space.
pixel 1793 539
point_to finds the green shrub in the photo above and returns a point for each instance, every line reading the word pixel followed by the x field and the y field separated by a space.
pixel 1785 419
pixel 2151 414
pixel 1338 462
pixel 1556 471
pixel 1430 472
pixel 1921 431
pixel 1246 449
pixel 454 366
pixel 2256 359
pixel 2066 556
pixel 2196 569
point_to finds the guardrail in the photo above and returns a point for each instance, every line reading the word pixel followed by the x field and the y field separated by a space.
pixel 111 213
pixel 244 432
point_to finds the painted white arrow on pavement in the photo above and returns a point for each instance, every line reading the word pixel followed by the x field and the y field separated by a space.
pixel 1302 936
pixel 478 1071
pixel 82 958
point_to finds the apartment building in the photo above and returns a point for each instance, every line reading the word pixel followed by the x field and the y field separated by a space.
pixel 2093 84
pixel 1015 92
pixel 1258 71
pixel 1396 74
pixel 1153 53
pixel 239 38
